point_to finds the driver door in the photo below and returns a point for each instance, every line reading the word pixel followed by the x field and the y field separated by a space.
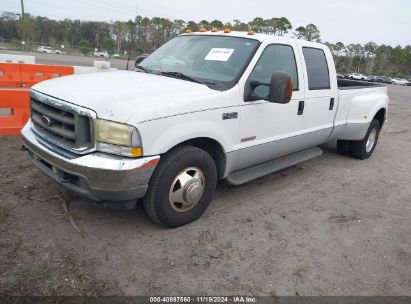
pixel 270 130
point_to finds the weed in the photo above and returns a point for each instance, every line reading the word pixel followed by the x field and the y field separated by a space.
pixel 5 210
pixel 273 293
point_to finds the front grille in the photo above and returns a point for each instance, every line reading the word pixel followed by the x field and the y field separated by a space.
pixel 61 125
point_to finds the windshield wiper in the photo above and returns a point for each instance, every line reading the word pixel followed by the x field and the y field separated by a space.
pixel 182 76
pixel 140 67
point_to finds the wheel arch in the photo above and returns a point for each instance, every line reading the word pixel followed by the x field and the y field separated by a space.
pixel 212 147
pixel 380 116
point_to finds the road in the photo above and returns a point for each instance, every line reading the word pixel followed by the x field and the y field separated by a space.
pixel 54 59
pixel 330 226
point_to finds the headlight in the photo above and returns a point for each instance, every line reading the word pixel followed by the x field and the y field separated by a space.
pixel 117 138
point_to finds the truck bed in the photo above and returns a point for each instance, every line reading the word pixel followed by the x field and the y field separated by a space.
pixel 348 84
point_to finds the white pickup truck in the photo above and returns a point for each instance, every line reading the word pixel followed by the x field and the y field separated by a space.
pixel 102 53
pixel 203 107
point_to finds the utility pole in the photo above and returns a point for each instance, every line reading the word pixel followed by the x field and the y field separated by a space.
pixel 22 21
pixel 22 9
pixel 132 40
pixel 139 32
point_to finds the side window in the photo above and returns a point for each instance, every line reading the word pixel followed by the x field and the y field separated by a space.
pixel 275 58
pixel 317 69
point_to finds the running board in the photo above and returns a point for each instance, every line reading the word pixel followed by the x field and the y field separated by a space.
pixel 248 174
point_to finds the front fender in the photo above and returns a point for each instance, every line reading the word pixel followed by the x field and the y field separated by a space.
pixel 159 136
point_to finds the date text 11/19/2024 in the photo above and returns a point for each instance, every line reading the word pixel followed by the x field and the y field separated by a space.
pixel 204 299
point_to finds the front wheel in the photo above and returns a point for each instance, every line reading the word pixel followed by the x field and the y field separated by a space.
pixel 182 187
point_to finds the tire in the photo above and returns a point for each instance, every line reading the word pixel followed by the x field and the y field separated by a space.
pixel 363 149
pixel 344 147
pixel 172 176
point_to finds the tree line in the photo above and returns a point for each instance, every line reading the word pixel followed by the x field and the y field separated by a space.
pixel 144 35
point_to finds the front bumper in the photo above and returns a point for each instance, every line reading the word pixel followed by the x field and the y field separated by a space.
pixel 96 176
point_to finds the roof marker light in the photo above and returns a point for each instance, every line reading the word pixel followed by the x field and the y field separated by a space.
pixel 214 29
pixel 250 32
pixel 227 30
pixel 188 31
pixel 203 29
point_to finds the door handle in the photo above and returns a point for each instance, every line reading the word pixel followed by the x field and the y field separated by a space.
pixel 300 108
pixel 331 104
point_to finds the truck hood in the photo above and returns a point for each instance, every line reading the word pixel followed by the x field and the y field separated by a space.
pixel 118 95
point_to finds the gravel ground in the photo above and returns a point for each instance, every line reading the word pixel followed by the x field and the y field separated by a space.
pixel 330 226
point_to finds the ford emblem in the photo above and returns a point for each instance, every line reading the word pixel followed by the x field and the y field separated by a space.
pixel 45 120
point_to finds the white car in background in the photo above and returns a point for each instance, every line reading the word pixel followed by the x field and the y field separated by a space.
pixel 58 52
pixel 45 49
pixel 357 76
pixel 399 81
pixel 102 53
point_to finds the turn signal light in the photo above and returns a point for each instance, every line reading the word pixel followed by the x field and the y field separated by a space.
pixel 290 89
pixel 136 152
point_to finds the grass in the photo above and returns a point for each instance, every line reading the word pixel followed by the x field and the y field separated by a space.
pixel 14 247
pixel 298 275
pixel 273 293
pixel 65 198
pixel 29 277
pixel 73 279
pixel 5 210
pixel 64 276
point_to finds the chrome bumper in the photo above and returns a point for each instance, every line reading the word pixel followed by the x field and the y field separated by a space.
pixel 96 176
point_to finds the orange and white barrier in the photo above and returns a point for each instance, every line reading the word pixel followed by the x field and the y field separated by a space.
pixel 15 81
pixel 14 110
pixel 35 73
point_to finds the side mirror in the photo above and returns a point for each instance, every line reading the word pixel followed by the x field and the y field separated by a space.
pixel 281 88
pixel 139 60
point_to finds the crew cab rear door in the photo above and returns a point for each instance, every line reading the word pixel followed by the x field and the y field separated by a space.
pixel 321 98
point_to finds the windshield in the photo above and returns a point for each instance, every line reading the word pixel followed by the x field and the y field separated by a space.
pixel 216 61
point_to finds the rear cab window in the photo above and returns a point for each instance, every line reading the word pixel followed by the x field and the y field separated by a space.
pixel 317 69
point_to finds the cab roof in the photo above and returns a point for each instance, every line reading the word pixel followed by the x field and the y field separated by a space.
pixel 255 36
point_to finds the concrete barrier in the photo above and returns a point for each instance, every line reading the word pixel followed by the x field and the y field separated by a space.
pixel 86 70
pixel 8 58
pixel 101 65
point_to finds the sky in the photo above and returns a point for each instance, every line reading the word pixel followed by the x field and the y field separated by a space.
pixel 348 21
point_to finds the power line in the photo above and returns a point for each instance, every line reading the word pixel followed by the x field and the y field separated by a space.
pixel 62 8
pixel 127 11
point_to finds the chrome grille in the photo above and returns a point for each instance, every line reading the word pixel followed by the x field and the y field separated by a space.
pixel 61 123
